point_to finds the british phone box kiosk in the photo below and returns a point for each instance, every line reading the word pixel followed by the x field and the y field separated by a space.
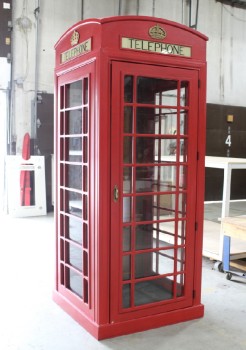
pixel 130 143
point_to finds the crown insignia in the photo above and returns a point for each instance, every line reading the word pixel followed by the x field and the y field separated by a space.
pixel 157 32
pixel 74 38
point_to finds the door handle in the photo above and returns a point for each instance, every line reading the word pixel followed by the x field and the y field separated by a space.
pixel 116 193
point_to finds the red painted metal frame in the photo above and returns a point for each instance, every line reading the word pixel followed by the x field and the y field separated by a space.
pixel 106 36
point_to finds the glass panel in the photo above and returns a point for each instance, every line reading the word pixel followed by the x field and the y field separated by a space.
pixel 85 207
pixel 144 208
pixel 74 94
pixel 164 234
pixel 184 93
pixel 160 121
pixel 85 181
pixel 127 182
pixel 181 232
pixel 144 265
pixel 85 263
pixel 85 119
pixel 181 259
pixel 152 291
pixel 180 285
pixel 126 239
pixel 183 157
pixel 128 120
pixel 74 176
pixel 85 90
pixel 74 149
pixel 85 150
pixel 182 177
pixel 75 203
pixel 127 209
pixel 75 256
pixel 126 267
pixel 144 237
pixel 155 179
pixel 75 229
pixel 182 205
pixel 164 205
pixel 86 291
pixel 163 261
pixel 183 123
pixel 74 121
pixel 85 235
pixel 127 155
pixel 146 121
pixel 156 91
pixel 145 150
pixel 75 282
pixel 128 88
pixel 126 295
pixel 155 235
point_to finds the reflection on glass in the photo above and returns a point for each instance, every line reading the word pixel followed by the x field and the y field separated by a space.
pixel 144 208
pixel 156 91
pixel 126 266
pixel 182 205
pixel 74 121
pixel 85 263
pixel 74 94
pixel 144 237
pixel 183 156
pixel 127 155
pixel 75 256
pixel 163 261
pixel 181 232
pixel 74 149
pixel 145 120
pixel 128 88
pixel 183 177
pixel 85 120
pixel 184 100
pixel 183 123
pixel 127 209
pixel 85 149
pixel 85 235
pixel 164 234
pixel 74 173
pixel 181 259
pixel 127 180
pixel 85 181
pixel 85 90
pixel 128 120
pixel 152 291
pixel 145 150
pixel 75 229
pixel 164 205
pixel 180 285
pixel 85 206
pixel 75 282
pixel 143 265
pixel 126 239
pixel 74 203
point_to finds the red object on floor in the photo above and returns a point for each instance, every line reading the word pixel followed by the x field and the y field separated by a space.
pixel 25 183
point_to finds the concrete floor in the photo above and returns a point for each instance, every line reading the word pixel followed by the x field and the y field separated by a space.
pixel 30 320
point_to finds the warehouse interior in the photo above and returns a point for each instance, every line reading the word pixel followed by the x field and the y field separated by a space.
pixel 29 31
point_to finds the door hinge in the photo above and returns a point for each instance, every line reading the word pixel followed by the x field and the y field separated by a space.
pixel 196 226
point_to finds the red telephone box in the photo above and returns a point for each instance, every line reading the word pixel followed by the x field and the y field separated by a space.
pixel 130 145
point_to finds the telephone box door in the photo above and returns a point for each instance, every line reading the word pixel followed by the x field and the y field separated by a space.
pixel 153 184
